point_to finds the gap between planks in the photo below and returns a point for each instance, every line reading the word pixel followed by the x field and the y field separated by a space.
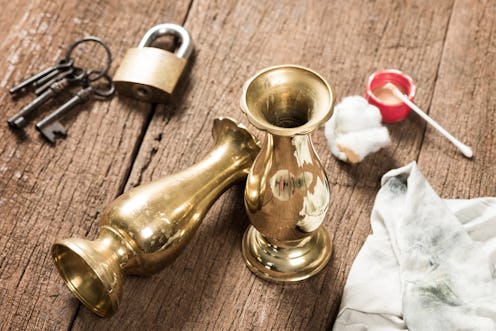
pixel 431 97
pixel 135 152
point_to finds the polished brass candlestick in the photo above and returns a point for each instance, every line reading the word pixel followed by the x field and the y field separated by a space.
pixel 146 228
pixel 287 192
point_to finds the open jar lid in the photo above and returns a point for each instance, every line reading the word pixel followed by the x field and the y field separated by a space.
pixel 392 109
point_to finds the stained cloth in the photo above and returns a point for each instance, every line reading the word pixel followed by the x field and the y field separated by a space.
pixel 429 263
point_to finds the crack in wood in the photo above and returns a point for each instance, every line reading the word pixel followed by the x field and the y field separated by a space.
pixel 431 96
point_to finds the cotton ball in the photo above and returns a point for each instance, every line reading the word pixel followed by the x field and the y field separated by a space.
pixel 356 114
pixel 330 134
pixel 355 130
pixel 357 145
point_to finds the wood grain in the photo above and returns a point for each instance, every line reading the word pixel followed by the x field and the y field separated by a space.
pixel 465 104
pixel 209 287
pixel 48 193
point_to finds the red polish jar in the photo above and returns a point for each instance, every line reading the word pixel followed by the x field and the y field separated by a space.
pixel 392 110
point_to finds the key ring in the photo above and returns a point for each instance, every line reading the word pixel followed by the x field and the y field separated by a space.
pixel 99 73
pixel 78 75
pixel 65 63
pixel 101 92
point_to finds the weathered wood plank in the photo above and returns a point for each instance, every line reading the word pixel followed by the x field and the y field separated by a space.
pixel 48 193
pixel 209 287
pixel 465 104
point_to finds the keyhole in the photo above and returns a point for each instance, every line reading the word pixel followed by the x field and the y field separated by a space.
pixel 142 92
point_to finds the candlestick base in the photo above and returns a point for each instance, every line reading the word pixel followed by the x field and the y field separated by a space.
pixel 286 264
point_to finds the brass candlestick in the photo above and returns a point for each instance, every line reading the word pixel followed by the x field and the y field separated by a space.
pixel 287 192
pixel 146 228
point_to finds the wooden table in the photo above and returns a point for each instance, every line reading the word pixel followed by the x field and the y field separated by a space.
pixel 46 192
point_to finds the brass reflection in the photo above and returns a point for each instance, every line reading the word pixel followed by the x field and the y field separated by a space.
pixel 146 228
pixel 287 193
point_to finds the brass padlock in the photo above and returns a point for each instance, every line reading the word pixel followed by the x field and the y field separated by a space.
pixel 149 73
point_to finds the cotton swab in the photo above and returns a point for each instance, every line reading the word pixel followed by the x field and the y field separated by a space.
pixel 466 150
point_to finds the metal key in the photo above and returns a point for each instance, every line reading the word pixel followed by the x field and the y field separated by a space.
pixel 41 88
pixel 47 78
pixel 50 126
pixel 60 66
pixel 18 121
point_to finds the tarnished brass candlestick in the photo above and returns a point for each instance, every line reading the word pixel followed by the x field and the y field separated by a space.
pixel 287 192
pixel 146 228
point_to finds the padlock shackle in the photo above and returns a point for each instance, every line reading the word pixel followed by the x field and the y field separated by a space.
pixel 185 42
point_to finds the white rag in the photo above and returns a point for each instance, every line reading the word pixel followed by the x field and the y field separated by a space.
pixel 429 264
